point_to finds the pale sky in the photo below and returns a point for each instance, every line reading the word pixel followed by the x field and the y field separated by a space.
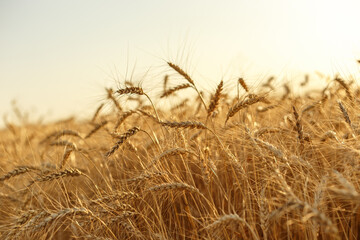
pixel 56 57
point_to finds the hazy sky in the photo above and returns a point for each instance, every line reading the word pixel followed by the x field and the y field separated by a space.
pixel 57 56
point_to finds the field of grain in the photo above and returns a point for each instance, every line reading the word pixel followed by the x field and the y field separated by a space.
pixel 257 163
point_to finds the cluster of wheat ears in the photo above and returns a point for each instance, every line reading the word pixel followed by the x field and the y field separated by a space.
pixel 259 165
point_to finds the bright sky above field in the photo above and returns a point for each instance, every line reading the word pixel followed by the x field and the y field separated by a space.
pixel 56 57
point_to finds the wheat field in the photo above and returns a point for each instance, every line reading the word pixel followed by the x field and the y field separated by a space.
pixel 260 163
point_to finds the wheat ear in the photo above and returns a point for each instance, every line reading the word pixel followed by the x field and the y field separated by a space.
pixel 122 119
pixel 56 135
pixel 97 112
pixel 60 214
pixel 215 99
pixel 299 127
pixel 65 173
pixel 305 82
pixel 175 89
pixel 187 124
pixel 226 220
pixel 243 84
pixel 96 128
pixel 122 138
pixel 112 98
pixel 168 153
pixel 345 86
pixel 18 171
pixel 138 91
pixel 243 104
pixel 174 186
pixel 188 78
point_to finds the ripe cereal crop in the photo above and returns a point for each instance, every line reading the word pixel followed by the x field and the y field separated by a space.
pixel 259 163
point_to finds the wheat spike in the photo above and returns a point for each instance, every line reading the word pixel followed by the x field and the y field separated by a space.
pixel 65 173
pixel 299 127
pixel 168 153
pixel 97 112
pixel 131 90
pixel 122 139
pixel 187 124
pixel 175 89
pixel 243 84
pixel 173 186
pixel 345 113
pixel 96 128
pixel 122 119
pixel 345 86
pixel 18 171
pixel 60 214
pixel 243 104
pixel 181 72
pixel 215 99
pixel 112 98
